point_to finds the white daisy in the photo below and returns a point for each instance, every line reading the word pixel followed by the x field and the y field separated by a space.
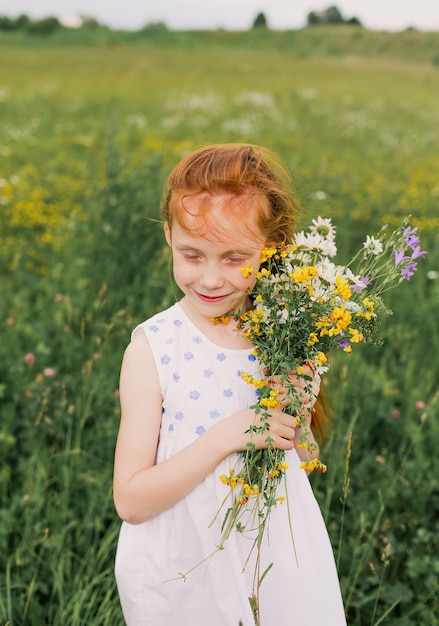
pixel 323 226
pixel 372 245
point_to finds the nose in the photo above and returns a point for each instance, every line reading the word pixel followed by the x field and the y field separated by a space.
pixel 211 278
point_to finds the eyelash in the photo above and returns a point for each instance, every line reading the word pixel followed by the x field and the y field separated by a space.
pixel 232 260
pixel 191 257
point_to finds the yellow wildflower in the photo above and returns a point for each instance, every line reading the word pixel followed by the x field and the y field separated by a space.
pixel 313 338
pixel 262 272
pixel 321 358
pixel 222 319
pixel 342 288
pixel 267 253
pixel 246 271
pixel 271 402
pixel 282 466
pixel 257 383
pixel 303 274
pixel 356 336
pixel 371 312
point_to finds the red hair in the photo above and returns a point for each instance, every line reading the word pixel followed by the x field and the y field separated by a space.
pixel 239 170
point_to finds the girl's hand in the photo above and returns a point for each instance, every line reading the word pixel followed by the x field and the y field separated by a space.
pixel 281 431
pixel 307 388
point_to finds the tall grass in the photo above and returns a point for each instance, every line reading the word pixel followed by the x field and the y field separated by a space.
pixel 90 134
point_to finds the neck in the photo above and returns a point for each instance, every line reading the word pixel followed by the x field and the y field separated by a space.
pixel 223 331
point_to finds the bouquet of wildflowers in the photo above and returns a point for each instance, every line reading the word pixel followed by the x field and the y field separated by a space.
pixel 305 306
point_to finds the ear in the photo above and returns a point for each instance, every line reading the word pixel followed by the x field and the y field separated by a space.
pixel 168 237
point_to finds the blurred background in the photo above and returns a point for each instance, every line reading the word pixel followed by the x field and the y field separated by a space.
pixel 96 107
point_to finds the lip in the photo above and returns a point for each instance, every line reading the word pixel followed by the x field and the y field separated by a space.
pixel 212 299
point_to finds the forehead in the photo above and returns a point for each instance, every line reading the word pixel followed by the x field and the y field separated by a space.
pixel 222 217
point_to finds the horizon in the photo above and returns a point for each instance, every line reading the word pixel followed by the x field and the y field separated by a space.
pixel 374 15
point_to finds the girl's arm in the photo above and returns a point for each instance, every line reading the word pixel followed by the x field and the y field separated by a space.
pixel 143 489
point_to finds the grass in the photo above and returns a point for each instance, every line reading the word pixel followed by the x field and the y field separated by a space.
pixel 90 132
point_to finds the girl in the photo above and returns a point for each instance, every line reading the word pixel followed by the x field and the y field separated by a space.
pixel 185 413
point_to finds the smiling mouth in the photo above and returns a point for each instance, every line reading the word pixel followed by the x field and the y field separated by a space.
pixel 211 298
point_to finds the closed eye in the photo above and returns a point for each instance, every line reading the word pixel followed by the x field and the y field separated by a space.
pixel 236 260
pixel 191 257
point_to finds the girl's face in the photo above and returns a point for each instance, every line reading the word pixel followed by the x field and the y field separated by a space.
pixel 212 249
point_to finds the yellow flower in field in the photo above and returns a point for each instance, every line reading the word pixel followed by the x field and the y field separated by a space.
pixel 321 358
pixel 246 271
pixel 303 274
pixel 314 464
pixel 342 288
pixel 250 491
pixel 256 315
pixel 311 289
pixel 335 323
pixel 257 383
pixel 371 312
pixel 356 336
pixel 272 402
pixel 313 338
pixel 223 319
pixel 267 253
pixel 262 272
pixel 282 466
pixel 231 480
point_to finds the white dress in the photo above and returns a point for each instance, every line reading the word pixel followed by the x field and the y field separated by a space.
pixel 201 383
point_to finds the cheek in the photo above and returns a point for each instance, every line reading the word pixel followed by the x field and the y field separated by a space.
pixel 245 283
pixel 248 283
pixel 185 273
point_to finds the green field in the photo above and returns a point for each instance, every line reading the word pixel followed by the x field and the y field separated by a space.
pixel 90 126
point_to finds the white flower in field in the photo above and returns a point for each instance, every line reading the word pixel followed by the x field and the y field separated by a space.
pixel 307 240
pixel 358 283
pixel 320 195
pixel 328 271
pixel 313 242
pixel 432 275
pixel 256 99
pixel 352 306
pixel 372 245
pixel 323 226
pixel 282 315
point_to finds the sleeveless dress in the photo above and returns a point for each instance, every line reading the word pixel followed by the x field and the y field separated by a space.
pixel 157 580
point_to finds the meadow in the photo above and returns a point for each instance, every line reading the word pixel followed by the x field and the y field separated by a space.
pixel 89 130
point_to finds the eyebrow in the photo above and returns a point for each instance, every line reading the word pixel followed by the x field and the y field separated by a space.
pixel 233 252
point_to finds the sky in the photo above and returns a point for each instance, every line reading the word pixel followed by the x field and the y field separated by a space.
pixel 392 15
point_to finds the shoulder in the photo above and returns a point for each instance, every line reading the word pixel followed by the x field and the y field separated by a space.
pixel 138 357
pixel 159 323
